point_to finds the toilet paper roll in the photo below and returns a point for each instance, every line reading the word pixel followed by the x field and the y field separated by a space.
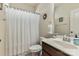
pixel 50 30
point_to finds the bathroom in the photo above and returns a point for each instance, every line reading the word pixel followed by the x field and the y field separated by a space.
pixel 55 28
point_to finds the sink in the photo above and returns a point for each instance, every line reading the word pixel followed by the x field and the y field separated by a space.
pixel 65 45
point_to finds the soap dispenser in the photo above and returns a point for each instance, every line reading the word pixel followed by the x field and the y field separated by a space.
pixel 76 36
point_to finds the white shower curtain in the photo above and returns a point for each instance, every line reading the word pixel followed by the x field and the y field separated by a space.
pixel 22 31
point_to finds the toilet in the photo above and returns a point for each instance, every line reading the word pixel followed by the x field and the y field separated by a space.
pixel 35 50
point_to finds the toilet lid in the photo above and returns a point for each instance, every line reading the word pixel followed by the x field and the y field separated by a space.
pixel 35 48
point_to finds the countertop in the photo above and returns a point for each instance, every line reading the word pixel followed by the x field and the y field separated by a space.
pixel 66 47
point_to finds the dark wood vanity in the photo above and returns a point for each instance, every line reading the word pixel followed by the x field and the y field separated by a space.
pixel 48 50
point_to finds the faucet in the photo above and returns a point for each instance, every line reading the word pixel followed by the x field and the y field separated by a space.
pixel 66 38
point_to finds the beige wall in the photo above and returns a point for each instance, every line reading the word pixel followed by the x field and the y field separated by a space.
pixel 63 10
pixel 2 32
pixel 49 9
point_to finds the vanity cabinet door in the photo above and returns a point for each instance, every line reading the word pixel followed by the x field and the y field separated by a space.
pixel 51 51
pixel 44 53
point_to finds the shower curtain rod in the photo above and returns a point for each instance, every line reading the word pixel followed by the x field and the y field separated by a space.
pixel 25 10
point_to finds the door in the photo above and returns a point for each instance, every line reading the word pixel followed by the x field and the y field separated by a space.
pixel 74 21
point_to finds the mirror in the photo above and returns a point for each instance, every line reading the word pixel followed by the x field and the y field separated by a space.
pixel 66 18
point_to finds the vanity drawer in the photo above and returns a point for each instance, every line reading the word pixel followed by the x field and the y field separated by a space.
pixel 51 51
